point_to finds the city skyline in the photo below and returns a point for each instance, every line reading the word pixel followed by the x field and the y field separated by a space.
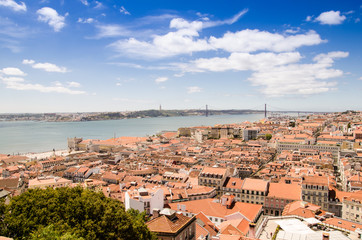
pixel 95 56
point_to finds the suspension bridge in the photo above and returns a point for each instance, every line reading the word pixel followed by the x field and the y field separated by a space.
pixel 267 109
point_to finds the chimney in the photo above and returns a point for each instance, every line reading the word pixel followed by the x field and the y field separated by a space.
pixel 251 230
pixel 156 213
pixel 325 236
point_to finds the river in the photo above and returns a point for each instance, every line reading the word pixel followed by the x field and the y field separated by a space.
pixel 27 136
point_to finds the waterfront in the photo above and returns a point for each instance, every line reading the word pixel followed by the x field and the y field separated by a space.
pixel 25 137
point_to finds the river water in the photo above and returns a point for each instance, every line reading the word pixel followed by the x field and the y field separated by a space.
pixel 27 136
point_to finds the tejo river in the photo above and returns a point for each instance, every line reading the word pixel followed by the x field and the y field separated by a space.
pixel 25 137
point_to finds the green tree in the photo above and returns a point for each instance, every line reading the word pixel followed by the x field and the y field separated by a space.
pixel 51 233
pixel 268 136
pixel 69 212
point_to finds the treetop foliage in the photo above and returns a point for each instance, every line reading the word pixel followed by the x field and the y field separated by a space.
pixel 69 213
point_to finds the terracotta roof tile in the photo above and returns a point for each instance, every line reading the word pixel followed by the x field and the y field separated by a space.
pixel 165 225
pixel 211 208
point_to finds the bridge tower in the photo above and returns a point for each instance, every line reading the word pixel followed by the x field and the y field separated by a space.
pixel 265 110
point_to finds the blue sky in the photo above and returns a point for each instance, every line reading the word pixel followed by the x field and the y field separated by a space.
pixel 85 55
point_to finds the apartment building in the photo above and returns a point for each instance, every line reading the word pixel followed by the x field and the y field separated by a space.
pixel 320 147
pixel 279 195
pixel 352 207
pixel 254 190
pixel 144 200
pixel 315 190
pixel 233 186
pixel 213 177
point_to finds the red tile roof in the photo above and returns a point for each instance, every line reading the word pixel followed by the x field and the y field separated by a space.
pixel 163 224
pixel 212 208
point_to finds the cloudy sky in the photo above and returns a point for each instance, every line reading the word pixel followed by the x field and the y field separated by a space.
pixel 87 55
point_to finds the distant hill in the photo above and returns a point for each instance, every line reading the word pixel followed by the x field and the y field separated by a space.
pixel 98 116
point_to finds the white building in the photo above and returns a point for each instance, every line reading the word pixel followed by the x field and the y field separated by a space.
pixel 144 200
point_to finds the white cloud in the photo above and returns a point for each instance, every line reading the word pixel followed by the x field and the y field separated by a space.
pixel 85 2
pixel 111 30
pixel 360 78
pixel 118 84
pixel 161 79
pixel 299 79
pixel 10 71
pixel 331 18
pixel 28 61
pixel 18 83
pixel 17 7
pixel 349 12
pixel 50 16
pixel 292 30
pixel 254 40
pixel 179 74
pixel 242 62
pixel 98 4
pixel 227 21
pixel 185 40
pixel 309 18
pixel 182 41
pixel 276 74
pixel 73 84
pixel 193 89
pixel 179 23
pixel 124 11
pixel 85 20
pixel 48 67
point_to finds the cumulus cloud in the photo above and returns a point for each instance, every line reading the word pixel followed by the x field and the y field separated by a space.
pixel 48 67
pixel 193 89
pixel 18 83
pixel 124 11
pixel 254 40
pixel 161 79
pixel 185 40
pixel 17 7
pixel 276 74
pixel 299 79
pixel 10 71
pixel 182 41
pixel 331 18
pixel 242 62
pixel 50 16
